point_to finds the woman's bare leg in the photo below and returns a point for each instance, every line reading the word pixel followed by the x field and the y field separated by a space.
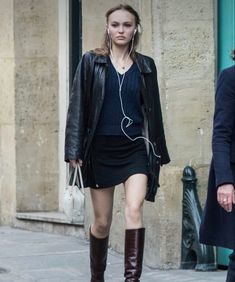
pixel 102 200
pixel 135 190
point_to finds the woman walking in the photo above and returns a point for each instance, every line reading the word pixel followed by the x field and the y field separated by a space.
pixel 115 132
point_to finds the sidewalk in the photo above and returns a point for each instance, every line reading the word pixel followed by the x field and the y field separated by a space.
pixel 27 256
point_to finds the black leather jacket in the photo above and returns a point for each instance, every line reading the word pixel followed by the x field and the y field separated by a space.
pixel 85 106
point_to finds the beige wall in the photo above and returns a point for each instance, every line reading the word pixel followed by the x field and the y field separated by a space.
pixel 29 173
pixel 36 100
pixel 180 37
pixel 7 112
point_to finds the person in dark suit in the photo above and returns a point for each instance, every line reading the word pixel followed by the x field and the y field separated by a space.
pixel 218 221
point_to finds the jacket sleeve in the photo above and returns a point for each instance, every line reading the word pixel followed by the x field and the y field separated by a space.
pixel 223 128
pixel 75 127
pixel 156 113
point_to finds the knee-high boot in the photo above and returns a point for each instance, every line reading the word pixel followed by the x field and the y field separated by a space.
pixel 98 257
pixel 134 249
pixel 231 268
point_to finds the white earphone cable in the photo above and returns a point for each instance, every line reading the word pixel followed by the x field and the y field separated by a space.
pixel 125 117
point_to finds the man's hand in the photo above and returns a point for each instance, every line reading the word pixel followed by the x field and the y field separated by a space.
pixel 226 197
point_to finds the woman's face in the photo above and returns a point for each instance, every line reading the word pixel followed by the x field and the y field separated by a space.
pixel 121 27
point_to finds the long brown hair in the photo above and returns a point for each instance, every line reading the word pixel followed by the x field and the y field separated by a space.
pixel 105 44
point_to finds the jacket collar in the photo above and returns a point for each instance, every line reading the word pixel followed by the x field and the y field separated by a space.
pixel 101 59
pixel 141 61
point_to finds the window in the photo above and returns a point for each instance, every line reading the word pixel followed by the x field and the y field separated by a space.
pixel 75 40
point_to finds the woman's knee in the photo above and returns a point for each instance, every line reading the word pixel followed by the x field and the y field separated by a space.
pixel 133 212
pixel 102 225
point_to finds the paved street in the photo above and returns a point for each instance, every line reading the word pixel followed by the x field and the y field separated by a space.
pixel 34 256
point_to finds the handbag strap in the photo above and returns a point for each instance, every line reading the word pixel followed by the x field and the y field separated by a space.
pixel 73 174
pixel 81 188
pixel 80 177
pixel 77 175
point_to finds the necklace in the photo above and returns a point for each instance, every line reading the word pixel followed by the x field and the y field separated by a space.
pixel 120 83
pixel 118 65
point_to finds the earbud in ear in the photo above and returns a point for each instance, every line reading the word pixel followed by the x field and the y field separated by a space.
pixel 108 31
pixel 135 31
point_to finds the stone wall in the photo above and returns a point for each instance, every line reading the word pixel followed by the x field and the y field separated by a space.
pixel 29 122
pixel 7 112
pixel 180 37
pixel 36 104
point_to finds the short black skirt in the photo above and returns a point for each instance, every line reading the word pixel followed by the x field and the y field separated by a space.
pixel 116 158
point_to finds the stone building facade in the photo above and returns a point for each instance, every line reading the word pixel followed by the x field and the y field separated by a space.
pixel 34 91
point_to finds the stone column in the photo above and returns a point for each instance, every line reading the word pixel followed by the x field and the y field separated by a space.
pixel 36 104
pixel 7 113
pixel 183 43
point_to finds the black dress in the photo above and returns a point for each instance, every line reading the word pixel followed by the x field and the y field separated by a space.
pixel 114 156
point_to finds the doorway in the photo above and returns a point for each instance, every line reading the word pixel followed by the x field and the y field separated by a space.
pixel 226 32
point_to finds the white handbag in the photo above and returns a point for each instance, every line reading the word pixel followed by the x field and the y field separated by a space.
pixel 74 197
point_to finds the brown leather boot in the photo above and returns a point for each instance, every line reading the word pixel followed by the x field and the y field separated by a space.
pixel 98 257
pixel 134 249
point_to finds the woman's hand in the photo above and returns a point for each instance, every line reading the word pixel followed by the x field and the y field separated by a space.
pixel 74 163
pixel 226 197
